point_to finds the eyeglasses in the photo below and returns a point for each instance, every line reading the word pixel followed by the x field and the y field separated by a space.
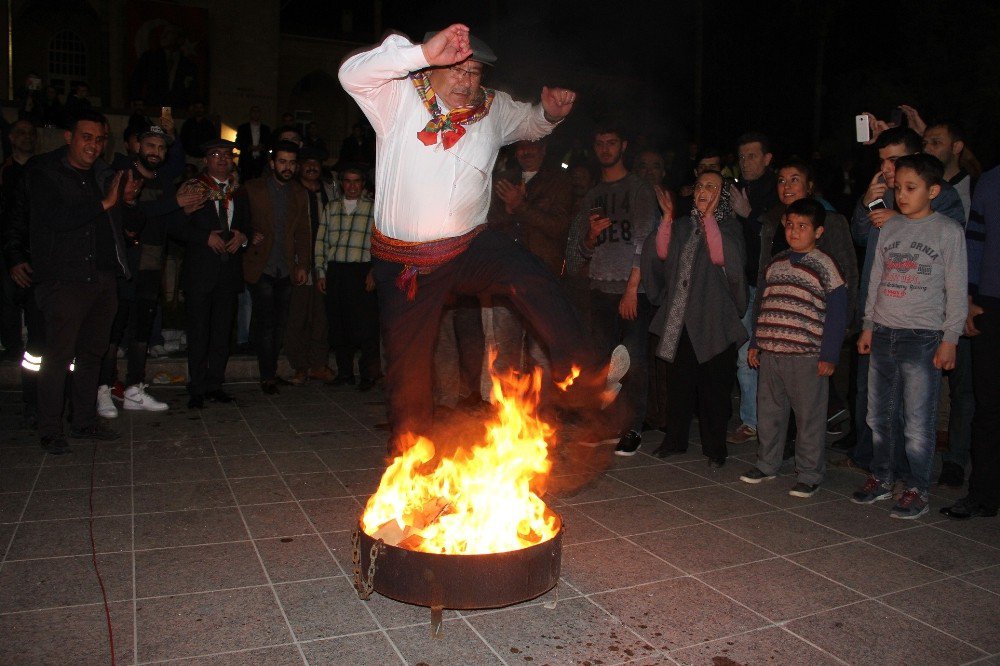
pixel 460 73
pixel 220 155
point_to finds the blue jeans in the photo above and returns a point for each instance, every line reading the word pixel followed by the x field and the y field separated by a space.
pixel 862 452
pixel 745 375
pixel 902 380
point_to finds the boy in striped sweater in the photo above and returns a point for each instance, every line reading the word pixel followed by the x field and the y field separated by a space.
pixel 799 328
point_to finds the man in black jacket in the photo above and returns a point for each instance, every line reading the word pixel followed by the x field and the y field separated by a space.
pixel 76 205
pixel 18 290
pixel 252 141
pixel 216 235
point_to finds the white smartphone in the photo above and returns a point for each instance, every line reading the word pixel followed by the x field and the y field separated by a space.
pixel 862 129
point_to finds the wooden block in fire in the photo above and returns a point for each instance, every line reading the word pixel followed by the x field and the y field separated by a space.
pixel 390 532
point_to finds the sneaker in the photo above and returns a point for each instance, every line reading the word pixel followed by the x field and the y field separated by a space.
pixel 105 405
pixel 157 351
pixel 136 398
pixel 617 368
pixel 619 365
pixel 742 435
pixel 848 463
pixel 911 505
pixel 898 488
pixel 952 475
pixel 756 476
pixel 873 491
pixel 803 489
pixel 628 444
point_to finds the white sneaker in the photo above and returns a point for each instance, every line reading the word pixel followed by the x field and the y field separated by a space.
pixel 157 351
pixel 619 365
pixel 136 398
pixel 105 405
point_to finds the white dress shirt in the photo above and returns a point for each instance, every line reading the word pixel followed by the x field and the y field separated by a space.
pixel 424 193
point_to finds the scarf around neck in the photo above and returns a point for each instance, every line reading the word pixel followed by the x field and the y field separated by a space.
pixel 450 126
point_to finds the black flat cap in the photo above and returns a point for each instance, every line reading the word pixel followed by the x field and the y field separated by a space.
pixel 481 52
pixel 215 144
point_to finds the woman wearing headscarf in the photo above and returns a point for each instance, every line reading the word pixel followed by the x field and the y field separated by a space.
pixel 693 270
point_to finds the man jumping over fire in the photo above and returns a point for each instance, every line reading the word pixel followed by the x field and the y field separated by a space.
pixel 439 131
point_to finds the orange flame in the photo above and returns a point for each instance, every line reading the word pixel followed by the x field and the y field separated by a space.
pixel 566 383
pixel 479 500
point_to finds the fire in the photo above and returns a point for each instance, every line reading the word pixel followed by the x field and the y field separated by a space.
pixel 481 498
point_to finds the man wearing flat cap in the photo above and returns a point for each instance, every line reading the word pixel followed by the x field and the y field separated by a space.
pixel 216 237
pixel 439 131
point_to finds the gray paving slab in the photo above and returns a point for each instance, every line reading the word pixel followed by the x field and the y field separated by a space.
pixel 224 537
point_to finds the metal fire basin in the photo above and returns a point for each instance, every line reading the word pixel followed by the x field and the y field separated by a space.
pixel 489 580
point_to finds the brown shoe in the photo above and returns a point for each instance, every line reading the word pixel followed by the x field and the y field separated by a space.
pixel 323 374
pixel 300 378
pixel 742 435
pixel 847 463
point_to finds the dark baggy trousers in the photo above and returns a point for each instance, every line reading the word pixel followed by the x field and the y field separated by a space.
pixel 493 264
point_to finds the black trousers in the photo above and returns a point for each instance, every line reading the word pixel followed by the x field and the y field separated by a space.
pixel 268 320
pixel 78 318
pixel 11 307
pixel 209 320
pixel 493 264
pixel 984 482
pixel 133 324
pixel 352 318
pixel 703 387
pixel 34 346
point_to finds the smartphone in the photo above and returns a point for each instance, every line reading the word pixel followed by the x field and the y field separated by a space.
pixel 875 205
pixel 167 112
pixel 862 129
pixel 599 211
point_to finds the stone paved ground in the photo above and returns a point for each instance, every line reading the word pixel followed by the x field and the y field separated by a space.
pixel 223 537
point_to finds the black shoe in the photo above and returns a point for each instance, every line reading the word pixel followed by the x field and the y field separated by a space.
pixel 952 475
pixel 341 380
pixel 55 444
pixel 964 509
pixel 269 387
pixel 196 402
pixel 218 395
pixel 803 489
pixel 99 433
pixel 628 444
pixel 281 381
pixel 665 451
pixel 366 384
pixel 716 463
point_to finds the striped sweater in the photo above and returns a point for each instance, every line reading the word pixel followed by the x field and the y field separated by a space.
pixel 793 307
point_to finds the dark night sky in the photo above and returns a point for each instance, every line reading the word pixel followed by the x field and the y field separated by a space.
pixel 759 65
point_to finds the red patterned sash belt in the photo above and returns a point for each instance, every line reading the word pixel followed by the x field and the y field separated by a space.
pixel 419 258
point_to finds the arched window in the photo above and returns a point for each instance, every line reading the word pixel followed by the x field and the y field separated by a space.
pixel 67 60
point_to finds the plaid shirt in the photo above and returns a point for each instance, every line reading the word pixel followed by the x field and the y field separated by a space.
pixel 343 237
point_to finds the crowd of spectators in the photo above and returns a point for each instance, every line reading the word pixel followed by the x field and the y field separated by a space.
pixel 748 270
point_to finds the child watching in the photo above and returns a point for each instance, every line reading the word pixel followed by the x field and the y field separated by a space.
pixel 796 344
pixel 914 315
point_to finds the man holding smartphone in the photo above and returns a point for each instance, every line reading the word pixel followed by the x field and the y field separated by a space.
pixel 622 212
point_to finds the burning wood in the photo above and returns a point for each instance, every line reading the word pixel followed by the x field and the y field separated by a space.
pixel 482 498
